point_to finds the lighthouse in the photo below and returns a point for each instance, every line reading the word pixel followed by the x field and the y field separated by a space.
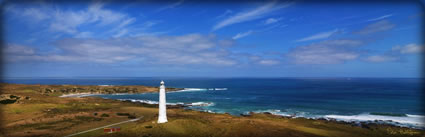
pixel 162 116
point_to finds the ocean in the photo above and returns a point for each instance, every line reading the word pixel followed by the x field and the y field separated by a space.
pixel 397 101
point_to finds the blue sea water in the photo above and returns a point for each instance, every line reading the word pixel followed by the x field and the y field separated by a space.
pixel 350 99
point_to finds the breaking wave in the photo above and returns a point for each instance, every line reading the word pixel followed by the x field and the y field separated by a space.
pixel 190 90
pixel 105 85
pixel 402 120
pixel 271 111
pixel 141 101
pixel 415 121
pixel 203 104
pixel 198 89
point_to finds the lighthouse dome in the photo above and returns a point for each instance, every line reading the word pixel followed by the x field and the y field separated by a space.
pixel 162 82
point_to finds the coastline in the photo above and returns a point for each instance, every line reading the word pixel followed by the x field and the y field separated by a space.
pixel 38 114
pixel 406 120
pixel 358 120
pixel 330 118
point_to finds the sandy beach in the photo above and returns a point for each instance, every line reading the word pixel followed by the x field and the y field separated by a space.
pixel 77 95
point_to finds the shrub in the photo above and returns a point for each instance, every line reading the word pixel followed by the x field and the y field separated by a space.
pixel 7 101
pixel 13 96
pixel 131 117
pixel 123 114
pixel 86 118
pixel 104 115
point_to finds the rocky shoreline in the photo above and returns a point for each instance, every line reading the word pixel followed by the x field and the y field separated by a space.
pixel 362 124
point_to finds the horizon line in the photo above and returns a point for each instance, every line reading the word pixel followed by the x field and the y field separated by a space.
pixel 204 77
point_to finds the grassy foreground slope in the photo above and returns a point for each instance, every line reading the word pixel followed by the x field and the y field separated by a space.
pixel 29 111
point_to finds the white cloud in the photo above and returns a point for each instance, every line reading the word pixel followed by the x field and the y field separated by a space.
pixel 325 52
pixel 382 58
pixel 126 22
pixel 250 15
pixel 105 17
pixel 381 17
pixel 170 6
pixel 122 29
pixel 241 35
pixel 408 49
pixel 149 24
pixel 14 49
pixel 226 13
pixel 396 53
pixel 322 35
pixel 269 62
pixel 120 33
pixel 84 34
pixel 376 27
pixel 140 29
pixel 271 20
pixel 227 42
pixel 68 21
pixel 38 11
pixel 58 20
pixel 175 50
pixel 35 14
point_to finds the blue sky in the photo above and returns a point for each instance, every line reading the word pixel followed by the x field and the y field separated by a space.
pixel 181 38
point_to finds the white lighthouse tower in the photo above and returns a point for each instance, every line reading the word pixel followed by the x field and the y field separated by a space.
pixel 162 116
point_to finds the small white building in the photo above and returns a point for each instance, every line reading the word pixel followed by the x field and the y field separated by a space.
pixel 162 116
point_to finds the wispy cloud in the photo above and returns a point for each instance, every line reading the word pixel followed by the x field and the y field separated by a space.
pixel 126 22
pixel 382 58
pixel 256 13
pixel 322 35
pixel 381 17
pixel 170 6
pixel 408 49
pixel 17 49
pixel 241 35
pixel 38 11
pixel 35 13
pixel 326 52
pixel 60 21
pixel 396 53
pixel 120 33
pixel 272 20
pixel 380 26
pixel 226 13
pixel 342 50
pixel 269 62
pixel 84 34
